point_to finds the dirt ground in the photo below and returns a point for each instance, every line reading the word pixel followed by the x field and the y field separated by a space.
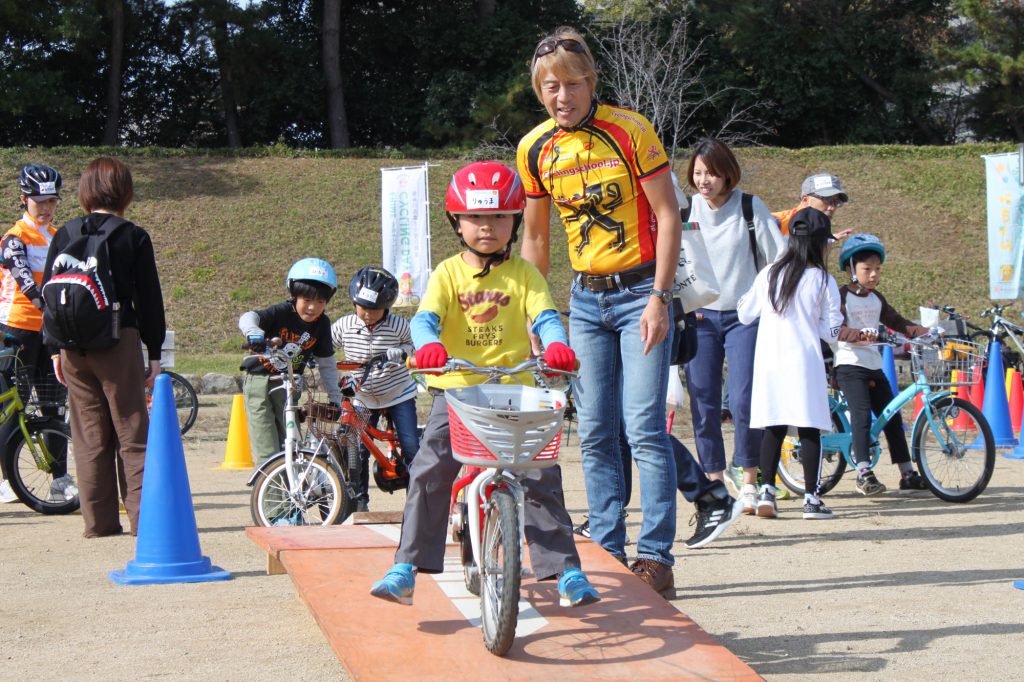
pixel 895 588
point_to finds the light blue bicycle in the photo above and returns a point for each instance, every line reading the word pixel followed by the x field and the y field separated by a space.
pixel 951 441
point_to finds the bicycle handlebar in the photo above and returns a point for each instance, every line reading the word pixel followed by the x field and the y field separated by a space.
pixel 458 364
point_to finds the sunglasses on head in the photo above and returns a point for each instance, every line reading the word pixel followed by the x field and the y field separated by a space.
pixel 548 46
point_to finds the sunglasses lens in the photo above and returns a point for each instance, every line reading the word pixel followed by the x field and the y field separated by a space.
pixel 549 46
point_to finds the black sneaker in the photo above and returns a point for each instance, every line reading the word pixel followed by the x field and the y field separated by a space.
pixel 712 519
pixel 868 484
pixel 583 529
pixel 912 482
pixel 817 510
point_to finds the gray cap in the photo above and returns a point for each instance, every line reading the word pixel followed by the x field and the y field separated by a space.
pixel 823 185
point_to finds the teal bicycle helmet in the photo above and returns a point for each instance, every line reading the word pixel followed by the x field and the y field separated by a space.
pixel 857 243
pixel 314 271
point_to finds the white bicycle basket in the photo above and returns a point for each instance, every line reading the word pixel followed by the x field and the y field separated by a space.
pixel 507 425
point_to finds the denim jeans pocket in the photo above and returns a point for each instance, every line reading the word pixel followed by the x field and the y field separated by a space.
pixel 641 289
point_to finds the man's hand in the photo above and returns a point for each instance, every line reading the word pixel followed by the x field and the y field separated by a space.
pixel 653 324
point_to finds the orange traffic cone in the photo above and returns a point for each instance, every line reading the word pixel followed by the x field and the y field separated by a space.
pixel 978 387
pixel 238 453
pixel 962 420
pixel 1016 401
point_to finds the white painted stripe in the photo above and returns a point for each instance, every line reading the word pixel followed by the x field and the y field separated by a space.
pixel 453 585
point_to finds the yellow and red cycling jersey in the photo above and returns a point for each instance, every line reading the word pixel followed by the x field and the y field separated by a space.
pixel 24 249
pixel 594 174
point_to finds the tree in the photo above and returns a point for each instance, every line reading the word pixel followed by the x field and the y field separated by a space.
pixel 655 66
pixel 116 9
pixel 985 48
pixel 336 121
pixel 838 71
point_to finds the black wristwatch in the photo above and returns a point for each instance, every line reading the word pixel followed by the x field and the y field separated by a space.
pixel 662 295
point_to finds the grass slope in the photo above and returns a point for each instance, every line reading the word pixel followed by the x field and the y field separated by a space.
pixel 227 226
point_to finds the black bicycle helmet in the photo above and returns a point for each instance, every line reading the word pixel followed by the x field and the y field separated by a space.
pixel 373 289
pixel 37 181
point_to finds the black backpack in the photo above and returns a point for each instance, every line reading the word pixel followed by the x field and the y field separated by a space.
pixel 81 310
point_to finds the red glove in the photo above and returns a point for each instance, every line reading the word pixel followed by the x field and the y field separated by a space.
pixel 431 356
pixel 559 356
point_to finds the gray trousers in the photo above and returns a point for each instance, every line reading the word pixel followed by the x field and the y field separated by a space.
pixel 425 519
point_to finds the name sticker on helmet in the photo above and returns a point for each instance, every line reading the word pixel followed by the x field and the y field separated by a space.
pixel 48 187
pixel 368 294
pixel 477 199
pixel 318 271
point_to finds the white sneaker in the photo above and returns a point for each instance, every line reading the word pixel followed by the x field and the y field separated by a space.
pixel 748 496
pixel 63 489
pixel 6 494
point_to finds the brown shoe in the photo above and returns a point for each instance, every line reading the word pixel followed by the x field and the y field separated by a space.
pixel 657 575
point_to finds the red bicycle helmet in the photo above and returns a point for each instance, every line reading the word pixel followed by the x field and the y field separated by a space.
pixel 486 187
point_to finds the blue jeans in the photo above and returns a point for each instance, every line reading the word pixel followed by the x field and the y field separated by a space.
pixel 692 482
pixel 617 381
pixel 721 336
pixel 403 416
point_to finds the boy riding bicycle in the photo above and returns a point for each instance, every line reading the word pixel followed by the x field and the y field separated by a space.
pixel 373 330
pixel 300 320
pixel 476 305
pixel 24 249
pixel 859 364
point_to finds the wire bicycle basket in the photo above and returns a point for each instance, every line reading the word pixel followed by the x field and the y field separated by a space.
pixel 41 394
pixel 341 424
pixel 507 425
pixel 938 362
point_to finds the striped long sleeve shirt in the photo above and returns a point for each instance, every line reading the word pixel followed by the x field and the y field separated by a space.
pixel 384 386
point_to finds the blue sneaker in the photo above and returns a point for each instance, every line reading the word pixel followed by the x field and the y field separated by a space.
pixel 397 586
pixel 575 590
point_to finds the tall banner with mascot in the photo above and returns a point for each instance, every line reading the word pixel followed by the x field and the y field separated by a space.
pixel 1004 195
pixel 405 230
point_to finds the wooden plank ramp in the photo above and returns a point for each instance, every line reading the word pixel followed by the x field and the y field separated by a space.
pixel 631 634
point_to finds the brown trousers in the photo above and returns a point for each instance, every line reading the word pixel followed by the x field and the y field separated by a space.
pixel 106 391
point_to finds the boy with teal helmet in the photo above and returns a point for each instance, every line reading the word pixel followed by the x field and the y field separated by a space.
pixel 859 364
pixel 301 320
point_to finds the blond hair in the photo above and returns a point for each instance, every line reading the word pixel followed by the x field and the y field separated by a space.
pixel 564 64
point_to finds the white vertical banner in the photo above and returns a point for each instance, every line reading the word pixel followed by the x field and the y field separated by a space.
pixel 1005 209
pixel 405 229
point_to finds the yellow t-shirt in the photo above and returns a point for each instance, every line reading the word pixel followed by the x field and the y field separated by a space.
pixel 593 174
pixel 483 320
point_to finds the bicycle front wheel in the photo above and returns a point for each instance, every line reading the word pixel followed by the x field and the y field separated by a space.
pixel 321 499
pixel 500 573
pixel 957 465
pixel 185 400
pixel 36 469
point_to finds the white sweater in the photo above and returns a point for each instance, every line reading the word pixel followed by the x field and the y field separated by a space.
pixel 725 235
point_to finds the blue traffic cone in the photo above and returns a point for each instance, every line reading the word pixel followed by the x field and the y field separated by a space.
pixel 167 548
pixel 889 368
pixel 997 408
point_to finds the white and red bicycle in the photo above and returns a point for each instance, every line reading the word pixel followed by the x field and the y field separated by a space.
pixel 498 432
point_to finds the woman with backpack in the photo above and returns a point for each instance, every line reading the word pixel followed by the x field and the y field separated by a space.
pixel 99 357
pixel 741 238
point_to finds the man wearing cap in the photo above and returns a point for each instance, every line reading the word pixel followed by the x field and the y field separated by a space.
pixel 821 191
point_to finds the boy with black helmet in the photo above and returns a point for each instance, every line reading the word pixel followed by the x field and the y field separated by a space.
pixel 859 364
pixel 24 249
pixel 300 320
pixel 476 304
pixel 370 331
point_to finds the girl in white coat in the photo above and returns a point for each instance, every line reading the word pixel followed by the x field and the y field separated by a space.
pixel 798 303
